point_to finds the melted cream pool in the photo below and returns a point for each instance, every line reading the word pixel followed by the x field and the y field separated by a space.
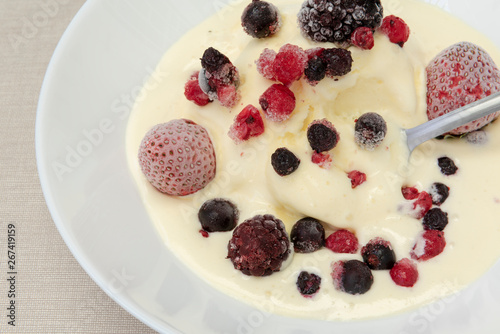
pixel 388 80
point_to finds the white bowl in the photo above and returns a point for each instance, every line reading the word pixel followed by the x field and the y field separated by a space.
pixel 100 64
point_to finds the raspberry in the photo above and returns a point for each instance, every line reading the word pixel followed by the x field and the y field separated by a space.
pixel 335 20
pixel 370 130
pixel 435 219
pixel 261 19
pixel 248 123
pixel 177 157
pixel 338 61
pixel 342 241
pixel 461 74
pixel 421 205
pixel 222 76
pixel 322 135
pixel 259 246
pixel 428 245
pixel 288 66
pixel 396 29
pixel 193 91
pixel 315 70
pixel 439 193
pixel 409 193
pixel 378 254
pixel 447 166
pixel 284 161
pixel 404 273
pixel 357 178
pixel 278 102
pixel 308 284
pixel 353 276
pixel 362 37
pixel 323 159
pixel 307 235
pixel 218 215
pixel 265 63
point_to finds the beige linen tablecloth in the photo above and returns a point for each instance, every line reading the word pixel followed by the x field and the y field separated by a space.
pixel 52 292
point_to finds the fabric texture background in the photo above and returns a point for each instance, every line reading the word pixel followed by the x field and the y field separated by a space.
pixel 53 293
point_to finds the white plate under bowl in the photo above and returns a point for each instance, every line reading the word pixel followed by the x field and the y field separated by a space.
pixel 101 62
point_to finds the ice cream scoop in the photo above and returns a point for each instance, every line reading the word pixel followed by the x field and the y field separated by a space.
pixel 443 124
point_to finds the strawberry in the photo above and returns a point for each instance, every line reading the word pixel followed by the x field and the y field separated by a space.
pixel 177 157
pixel 459 75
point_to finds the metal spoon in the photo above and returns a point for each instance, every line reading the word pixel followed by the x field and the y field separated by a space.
pixel 443 124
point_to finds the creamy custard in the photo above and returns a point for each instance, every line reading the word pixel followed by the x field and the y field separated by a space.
pixel 389 80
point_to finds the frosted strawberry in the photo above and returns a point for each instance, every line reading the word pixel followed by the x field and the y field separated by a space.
pixel 459 75
pixel 177 157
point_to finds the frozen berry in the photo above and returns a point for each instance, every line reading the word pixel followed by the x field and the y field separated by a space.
pixel 378 254
pixel 404 273
pixel 335 20
pixel 352 276
pixel 362 37
pixel 218 215
pixel 284 161
pixel 396 29
pixel 308 284
pixel 439 193
pixel 357 178
pixel 193 91
pixel 428 245
pixel 342 241
pixel 322 135
pixel 447 166
pixel 277 102
pixel 289 64
pixel 307 235
pixel 323 159
pixel 248 123
pixel 315 70
pixel 421 205
pixel 177 157
pixel 222 76
pixel 259 246
pixel 265 63
pixel 338 61
pixel 261 19
pixel 435 219
pixel 370 130
pixel 410 193
pixel 478 137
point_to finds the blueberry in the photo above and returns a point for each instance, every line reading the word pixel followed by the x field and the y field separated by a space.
pixel 218 215
pixel 260 19
pixel 435 219
pixel 370 130
pixel 307 235
pixel 322 135
pixel 378 254
pixel 308 284
pixel 284 161
pixel 439 193
pixel 353 277
pixel 315 69
pixel 447 166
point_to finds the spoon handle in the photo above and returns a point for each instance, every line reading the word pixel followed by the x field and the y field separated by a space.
pixel 442 124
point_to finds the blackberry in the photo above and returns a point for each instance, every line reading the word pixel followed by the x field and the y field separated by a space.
pixel 308 284
pixel 315 70
pixel 352 276
pixel 370 130
pixel 218 215
pixel 338 61
pixel 259 246
pixel 284 161
pixel 335 20
pixel 307 235
pixel 261 19
pixel 378 254
pixel 447 166
pixel 322 135
pixel 439 193
pixel 435 219
pixel 212 60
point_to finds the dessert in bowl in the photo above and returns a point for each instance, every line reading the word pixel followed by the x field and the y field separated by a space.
pixel 291 131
